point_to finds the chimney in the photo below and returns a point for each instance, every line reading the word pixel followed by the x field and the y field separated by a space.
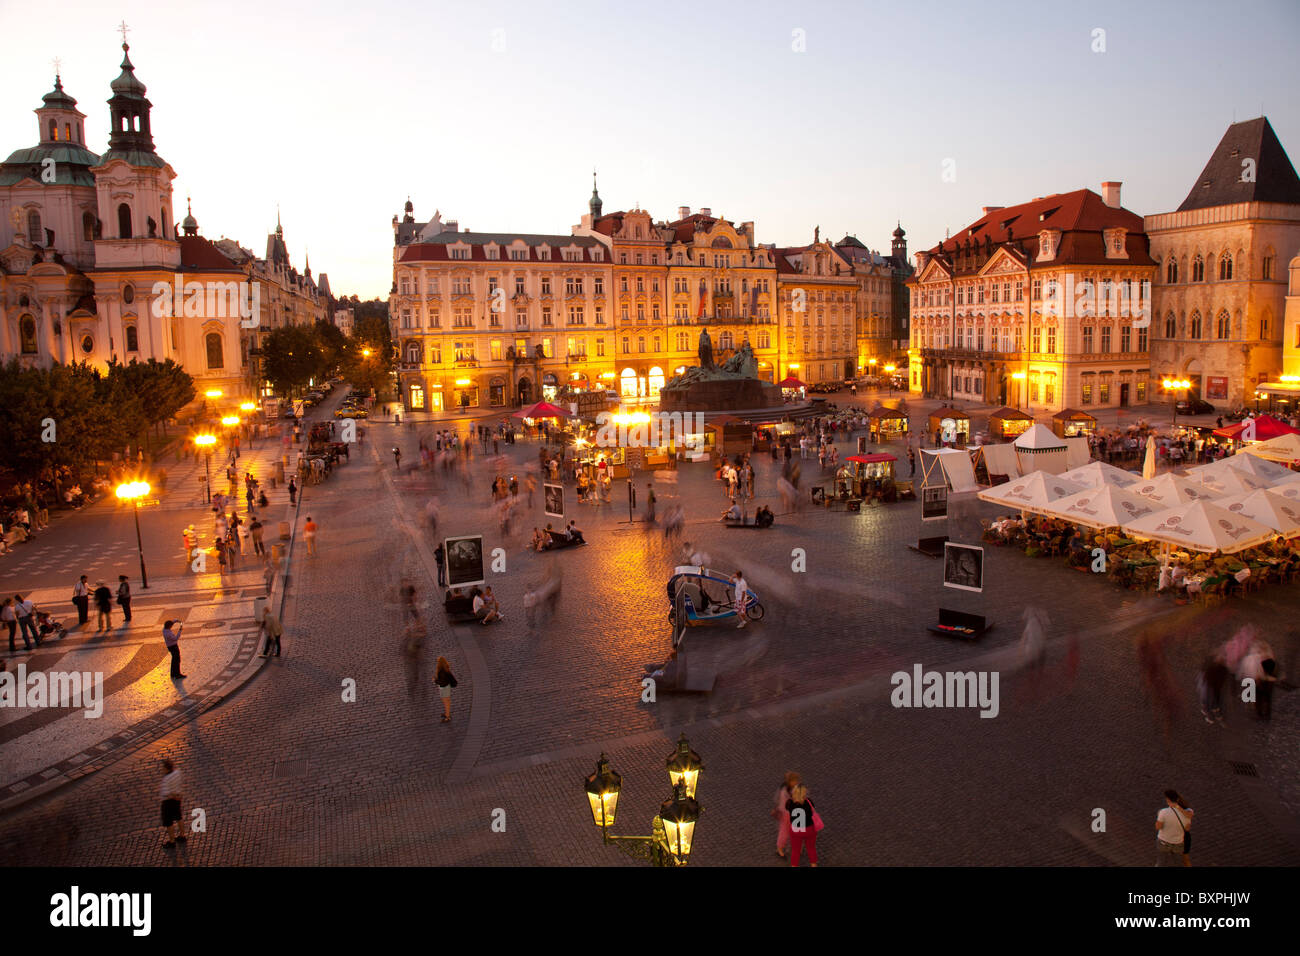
pixel 683 212
pixel 989 209
pixel 706 211
pixel 1110 194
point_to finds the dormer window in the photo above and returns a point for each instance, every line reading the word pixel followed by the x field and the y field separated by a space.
pixel 492 252
pixel 1048 242
pixel 1116 244
pixel 458 252
pixel 544 253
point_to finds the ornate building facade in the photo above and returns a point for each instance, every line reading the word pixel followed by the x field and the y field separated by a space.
pixel 1220 291
pixel 93 249
pixel 883 302
pixel 819 295
pixel 1043 305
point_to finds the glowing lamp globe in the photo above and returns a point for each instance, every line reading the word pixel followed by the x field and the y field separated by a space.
pixel 603 788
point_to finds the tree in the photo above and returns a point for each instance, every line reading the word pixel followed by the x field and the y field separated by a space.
pixel 164 388
pixel 334 345
pixel 291 357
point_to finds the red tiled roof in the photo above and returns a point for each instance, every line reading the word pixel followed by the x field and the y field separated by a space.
pixel 440 252
pixel 684 229
pixel 199 253
pixel 1080 216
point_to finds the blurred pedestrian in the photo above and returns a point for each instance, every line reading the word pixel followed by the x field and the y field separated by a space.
pixel 170 793
pixel 445 681
pixel 172 638
pixel 309 532
pixel 1173 839
pixel 81 598
pixel 9 618
pixel 805 822
pixel 270 625
pixel 255 529
pixel 25 612
pixel 103 607
pixel 742 597
pixel 293 491
pixel 781 815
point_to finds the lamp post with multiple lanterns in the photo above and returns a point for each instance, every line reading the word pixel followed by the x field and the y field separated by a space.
pixel 133 491
pixel 889 370
pixel 672 830
pixel 206 442
pixel 1175 385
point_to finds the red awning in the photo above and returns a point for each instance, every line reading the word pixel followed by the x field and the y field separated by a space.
pixel 791 382
pixel 871 459
pixel 542 410
pixel 1266 427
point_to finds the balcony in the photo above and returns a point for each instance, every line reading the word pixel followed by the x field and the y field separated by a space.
pixel 466 363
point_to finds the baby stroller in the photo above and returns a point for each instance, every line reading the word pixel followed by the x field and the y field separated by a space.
pixel 47 626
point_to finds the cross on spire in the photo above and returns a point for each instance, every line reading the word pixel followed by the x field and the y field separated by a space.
pixel 57 63
pixel 123 29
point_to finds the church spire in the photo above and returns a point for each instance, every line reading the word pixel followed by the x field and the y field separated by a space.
pixel 129 109
pixel 595 205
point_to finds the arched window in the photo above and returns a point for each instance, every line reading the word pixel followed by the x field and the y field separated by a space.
pixel 1171 326
pixel 27 332
pixel 1198 269
pixel 1171 271
pixel 67 132
pixel 162 224
pixel 88 226
pixel 54 130
pixel 216 357
pixel 1194 326
pixel 132 339
pixel 123 221
pixel 34 233
pixel 1225 269
pixel 1222 324
pixel 413 352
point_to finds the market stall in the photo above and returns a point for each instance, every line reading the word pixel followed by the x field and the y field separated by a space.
pixel 887 424
pixel 950 426
pixel 770 433
pixel 868 476
pixel 1006 423
pixel 730 435
pixel 1071 423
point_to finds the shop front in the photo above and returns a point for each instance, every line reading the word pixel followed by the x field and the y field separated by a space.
pixel 465 394
pixel 497 391
pixel 550 387
pixel 950 426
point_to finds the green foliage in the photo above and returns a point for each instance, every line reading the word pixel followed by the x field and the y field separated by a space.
pixel 291 357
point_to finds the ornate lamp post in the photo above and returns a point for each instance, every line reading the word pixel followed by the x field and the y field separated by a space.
pixel 1175 385
pixel 133 491
pixel 673 828
pixel 206 442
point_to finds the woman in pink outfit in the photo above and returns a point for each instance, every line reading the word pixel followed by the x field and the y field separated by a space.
pixel 781 815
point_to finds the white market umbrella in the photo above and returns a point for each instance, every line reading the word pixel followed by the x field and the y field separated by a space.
pixel 1170 490
pixel 1035 492
pixel 1201 526
pixel 1268 508
pixel 1098 473
pixel 1149 463
pixel 1285 448
pixel 1254 465
pixel 1103 507
pixel 1288 489
pixel 1228 481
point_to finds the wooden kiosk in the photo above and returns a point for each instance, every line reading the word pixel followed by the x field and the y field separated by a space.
pixel 959 419
pixel 887 424
pixel 1008 423
pixel 1071 423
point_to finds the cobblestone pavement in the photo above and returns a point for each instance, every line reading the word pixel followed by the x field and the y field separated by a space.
pixel 288 772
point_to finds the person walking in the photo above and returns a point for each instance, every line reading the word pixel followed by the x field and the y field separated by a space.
pixel 781 815
pixel 309 532
pixel 293 491
pixel 397 457
pixel 124 597
pixel 650 502
pixel 445 681
pixel 25 612
pixel 270 624
pixel 170 794
pixel 911 459
pixel 805 821
pixel 172 638
pixel 255 529
pixel 9 618
pixel 1173 839
pixel 742 597
pixel 440 556
pixel 81 598
pixel 103 607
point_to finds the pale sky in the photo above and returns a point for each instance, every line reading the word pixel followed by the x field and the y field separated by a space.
pixel 496 112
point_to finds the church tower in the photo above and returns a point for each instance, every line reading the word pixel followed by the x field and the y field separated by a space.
pixel 134 184
pixel 899 245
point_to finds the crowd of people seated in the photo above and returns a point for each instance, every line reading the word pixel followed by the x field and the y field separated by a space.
pixel 545 540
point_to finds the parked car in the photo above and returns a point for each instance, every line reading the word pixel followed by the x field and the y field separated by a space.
pixel 349 411
pixel 1194 406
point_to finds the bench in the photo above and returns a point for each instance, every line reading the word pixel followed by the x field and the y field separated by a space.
pixel 459 610
pixel 952 623
pixel 930 547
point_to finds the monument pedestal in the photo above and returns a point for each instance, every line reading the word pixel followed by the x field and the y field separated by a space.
pixel 720 395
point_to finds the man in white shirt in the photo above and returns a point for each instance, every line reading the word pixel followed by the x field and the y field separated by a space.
pixel 1172 823
pixel 81 598
pixel 170 794
pixel 742 597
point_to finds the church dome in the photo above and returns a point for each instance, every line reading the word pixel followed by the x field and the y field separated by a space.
pixel 127 84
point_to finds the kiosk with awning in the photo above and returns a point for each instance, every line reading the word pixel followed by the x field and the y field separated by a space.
pixel 870 475
pixel 1071 423
pixel 887 424
pixel 1256 428
pixel 952 425
pixel 1009 422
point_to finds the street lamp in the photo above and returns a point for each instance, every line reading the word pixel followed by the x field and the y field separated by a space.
pixel 889 370
pixel 1019 378
pixel 1175 385
pixel 133 491
pixel 206 442
pixel 673 828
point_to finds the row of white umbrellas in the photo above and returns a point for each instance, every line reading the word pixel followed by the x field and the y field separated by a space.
pixel 1231 505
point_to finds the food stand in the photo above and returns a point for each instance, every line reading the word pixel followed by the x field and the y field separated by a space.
pixel 952 425
pixel 773 433
pixel 1071 423
pixel 887 424
pixel 1007 423
pixel 731 435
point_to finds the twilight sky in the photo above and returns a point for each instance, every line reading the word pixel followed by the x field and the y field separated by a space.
pixel 496 112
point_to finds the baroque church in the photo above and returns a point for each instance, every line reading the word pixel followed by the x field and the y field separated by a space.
pixel 90 244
